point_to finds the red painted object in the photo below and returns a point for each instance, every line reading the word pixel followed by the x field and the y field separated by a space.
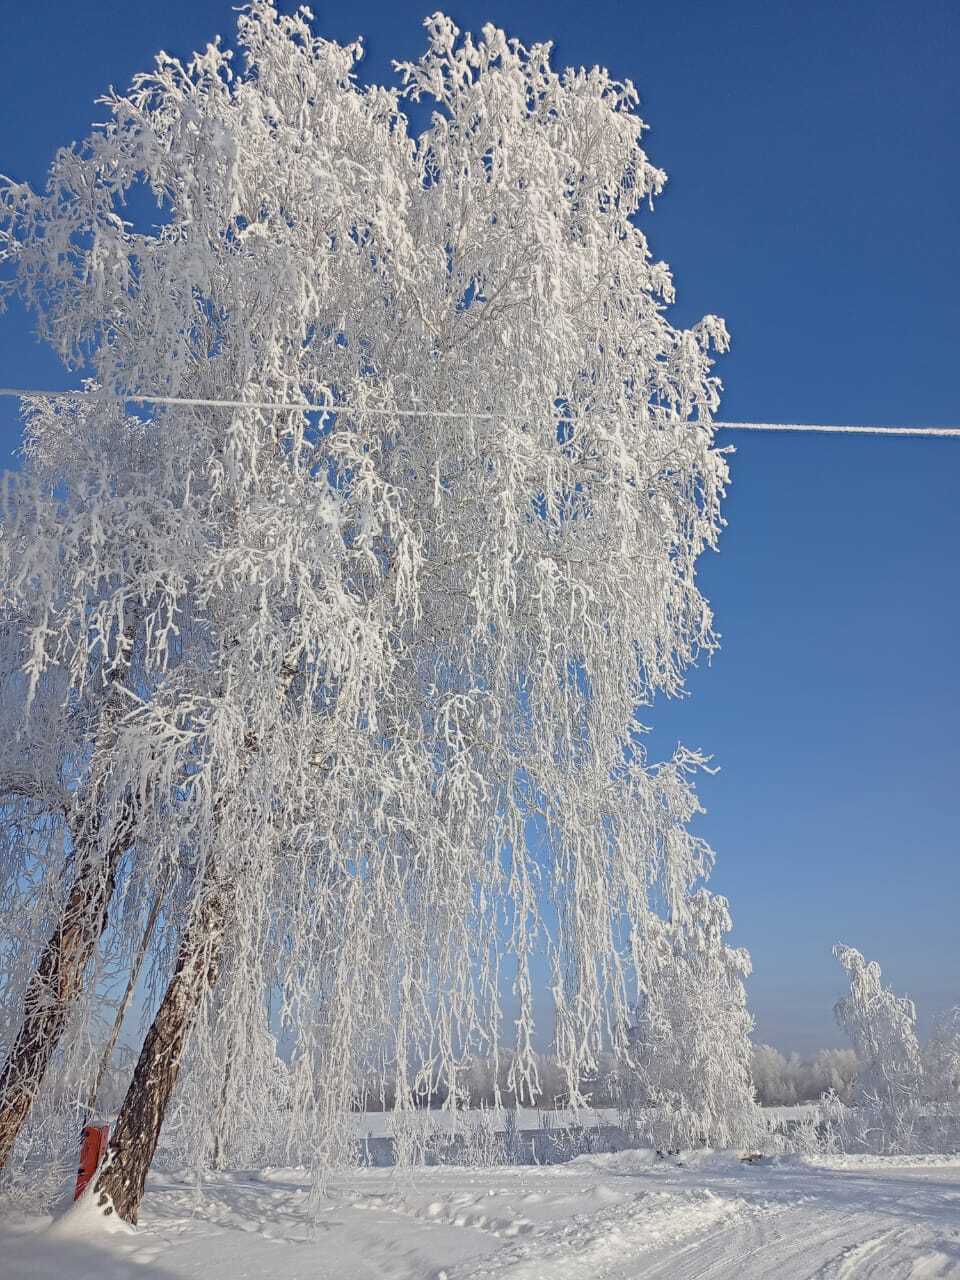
pixel 93 1147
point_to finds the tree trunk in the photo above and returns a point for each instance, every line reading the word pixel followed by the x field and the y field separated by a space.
pixel 137 1131
pixel 54 988
pixel 110 1047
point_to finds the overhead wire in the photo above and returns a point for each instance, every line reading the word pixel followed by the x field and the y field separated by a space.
pixel 414 411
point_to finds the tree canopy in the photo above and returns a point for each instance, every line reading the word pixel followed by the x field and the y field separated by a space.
pixel 317 676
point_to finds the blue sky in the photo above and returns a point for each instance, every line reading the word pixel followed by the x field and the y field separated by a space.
pixel 813 195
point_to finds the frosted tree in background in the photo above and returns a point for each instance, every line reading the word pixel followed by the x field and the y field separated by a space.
pixel 310 676
pixel 692 1039
pixel 770 1071
pixel 882 1028
pixel 781 1081
pixel 941 1061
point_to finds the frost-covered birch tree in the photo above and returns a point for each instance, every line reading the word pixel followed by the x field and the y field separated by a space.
pixel 941 1062
pixel 317 672
pixel 882 1027
pixel 692 1039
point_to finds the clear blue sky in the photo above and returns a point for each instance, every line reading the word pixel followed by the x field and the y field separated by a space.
pixel 813 198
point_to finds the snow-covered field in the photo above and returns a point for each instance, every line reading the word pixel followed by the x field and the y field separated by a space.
pixel 610 1217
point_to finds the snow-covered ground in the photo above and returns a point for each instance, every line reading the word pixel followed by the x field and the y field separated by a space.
pixel 609 1217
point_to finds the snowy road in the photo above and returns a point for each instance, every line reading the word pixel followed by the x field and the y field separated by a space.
pixel 618 1217
pixel 903 1223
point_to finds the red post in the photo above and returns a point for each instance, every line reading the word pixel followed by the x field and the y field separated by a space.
pixel 93 1147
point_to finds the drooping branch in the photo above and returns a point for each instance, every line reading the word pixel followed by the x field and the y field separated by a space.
pixel 136 967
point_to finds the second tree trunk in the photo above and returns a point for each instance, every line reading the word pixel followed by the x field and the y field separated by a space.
pixel 137 1130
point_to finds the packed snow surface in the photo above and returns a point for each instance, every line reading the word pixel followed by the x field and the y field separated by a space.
pixel 610 1217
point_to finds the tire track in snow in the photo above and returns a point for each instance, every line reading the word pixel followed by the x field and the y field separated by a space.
pixel 744 1239
pixel 597 1246
pixel 796 1245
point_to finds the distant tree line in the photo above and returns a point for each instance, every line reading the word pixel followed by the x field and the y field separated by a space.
pixel 781 1081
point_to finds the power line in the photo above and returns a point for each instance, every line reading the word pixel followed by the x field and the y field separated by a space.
pixel 306 406
pixel 842 430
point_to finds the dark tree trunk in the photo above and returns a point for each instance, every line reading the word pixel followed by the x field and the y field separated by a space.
pixel 58 981
pixel 54 988
pixel 137 1130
